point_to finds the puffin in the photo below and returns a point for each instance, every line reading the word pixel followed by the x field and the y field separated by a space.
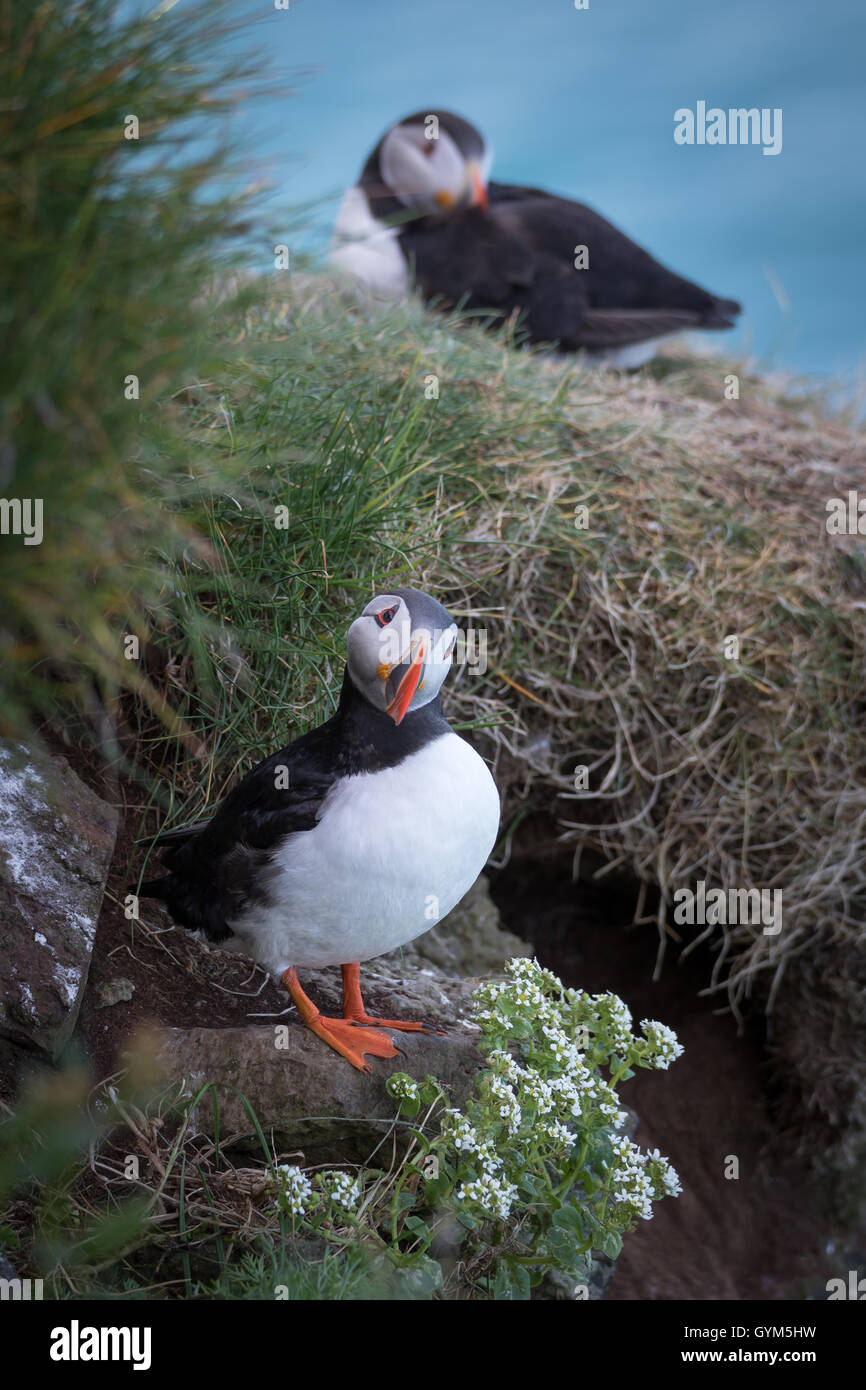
pixel 425 213
pixel 353 839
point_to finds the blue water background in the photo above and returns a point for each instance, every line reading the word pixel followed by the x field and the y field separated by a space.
pixel 582 102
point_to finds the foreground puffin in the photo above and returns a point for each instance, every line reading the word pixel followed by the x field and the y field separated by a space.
pixel 424 210
pixel 355 838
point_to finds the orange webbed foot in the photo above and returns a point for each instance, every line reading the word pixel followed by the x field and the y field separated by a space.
pixel 395 1023
pixel 341 1034
pixel 353 1042
pixel 353 1006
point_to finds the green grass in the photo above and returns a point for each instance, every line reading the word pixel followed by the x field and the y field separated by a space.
pixel 108 245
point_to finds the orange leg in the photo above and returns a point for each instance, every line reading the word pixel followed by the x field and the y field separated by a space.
pixel 353 1005
pixel 339 1033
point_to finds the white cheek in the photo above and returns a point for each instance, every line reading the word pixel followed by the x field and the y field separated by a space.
pixel 434 678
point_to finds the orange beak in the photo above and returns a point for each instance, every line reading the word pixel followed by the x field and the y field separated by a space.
pixel 479 189
pixel 407 687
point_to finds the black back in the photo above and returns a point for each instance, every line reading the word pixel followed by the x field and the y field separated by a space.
pixel 519 256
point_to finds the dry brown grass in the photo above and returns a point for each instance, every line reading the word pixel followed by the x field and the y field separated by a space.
pixel 707 519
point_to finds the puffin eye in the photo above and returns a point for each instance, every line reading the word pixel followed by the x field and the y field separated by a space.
pixel 385 616
pixel 427 148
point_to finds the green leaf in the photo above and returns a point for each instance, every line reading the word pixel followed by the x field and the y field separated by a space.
pixel 612 1244
pixel 416 1226
pixel 569 1219
pixel 435 1190
pixel 562 1245
pixel 419 1279
pixel 511 1282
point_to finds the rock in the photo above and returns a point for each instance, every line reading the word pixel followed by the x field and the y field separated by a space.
pixel 309 1099
pixel 111 992
pixel 305 1096
pixel 471 941
pixel 56 842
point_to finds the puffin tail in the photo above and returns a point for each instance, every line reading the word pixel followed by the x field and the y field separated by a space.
pixel 191 903
pixel 723 314
pixel 173 839
pixel 155 887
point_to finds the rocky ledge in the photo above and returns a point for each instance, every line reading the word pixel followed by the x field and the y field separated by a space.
pixel 309 1100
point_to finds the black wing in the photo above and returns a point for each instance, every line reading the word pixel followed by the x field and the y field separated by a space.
pixel 630 296
pixel 215 867
pixel 520 256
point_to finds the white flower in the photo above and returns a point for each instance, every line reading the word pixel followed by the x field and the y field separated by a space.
pixel 460 1132
pixel 509 1107
pixel 490 1193
pixel 670 1179
pixel 403 1087
pixel 341 1188
pixel 296 1188
pixel 636 1186
pixel 503 1063
pixel 560 1135
pixel 522 968
pixel 536 1091
pixel 662 1041
pixel 489 1158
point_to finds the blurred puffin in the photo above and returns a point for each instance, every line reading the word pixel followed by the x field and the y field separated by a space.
pixel 424 211
pixel 356 837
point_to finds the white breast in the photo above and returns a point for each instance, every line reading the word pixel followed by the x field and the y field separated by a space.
pixel 392 853
pixel 369 253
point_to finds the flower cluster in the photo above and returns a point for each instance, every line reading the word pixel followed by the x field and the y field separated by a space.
pixel 296 1190
pixel 663 1045
pixel 559 1135
pixel 639 1178
pixel 506 1103
pixel 539 1144
pixel 460 1132
pixel 402 1087
pixel 616 1017
pixel 340 1188
pixel 490 1193
pixel 300 1197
